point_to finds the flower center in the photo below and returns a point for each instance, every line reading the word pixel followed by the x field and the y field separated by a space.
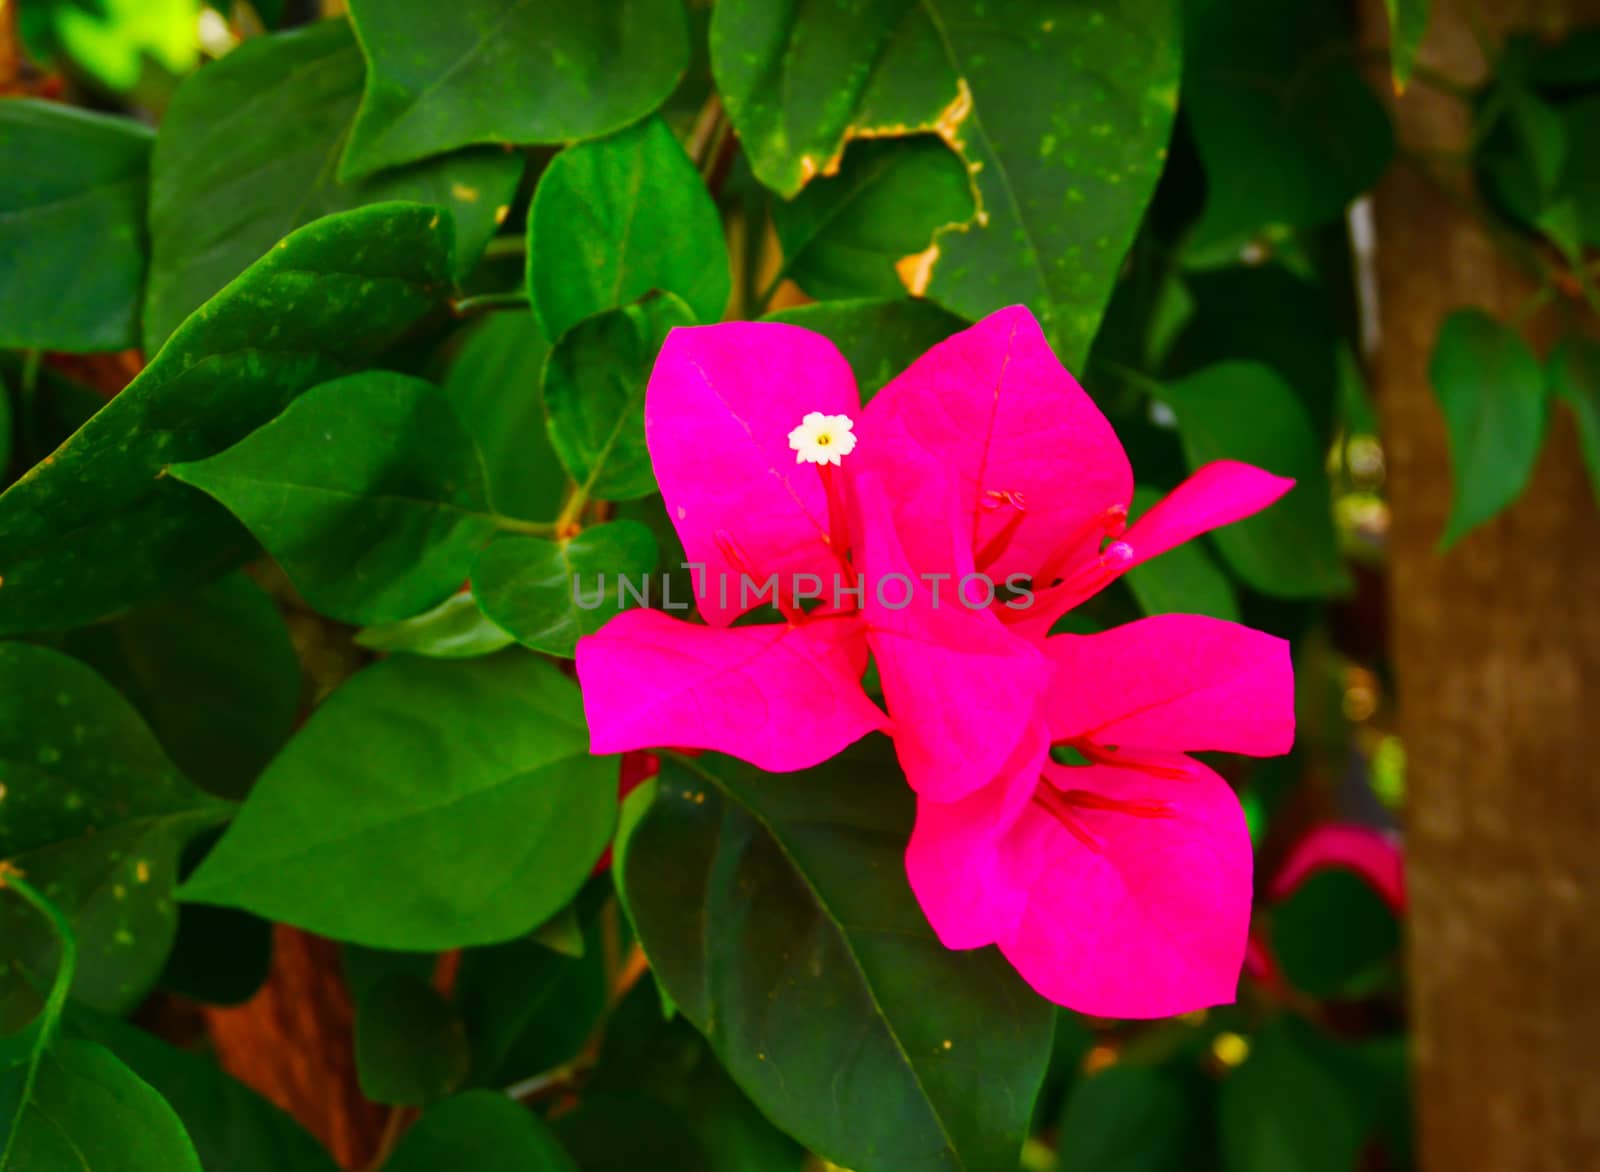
pixel 822 439
pixel 1064 802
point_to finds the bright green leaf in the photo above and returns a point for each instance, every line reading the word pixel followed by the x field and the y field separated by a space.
pixel 84 1109
pixel 821 987
pixel 214 672
pixel 1288 130
pixel 480 1129
pixel 594 384
pixel 72 236
pixel 116 42
pixel 614 219
pixel 548 594
pixel 329 298
pixel 1061 111
pixel 245 156
pixel 427 804
pixel 411 1047
pixel 367 490
pixel 93 813
pixel 1574 373
pixel 845 235
pixel 494 381
pixel 523 71
pixel 455 629
pixel 1184 580
pixel 879 338
pixel 1245 411
pixel 1492 392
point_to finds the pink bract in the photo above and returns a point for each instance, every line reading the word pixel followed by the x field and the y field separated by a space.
pixel 1118 884
pixel 1132 868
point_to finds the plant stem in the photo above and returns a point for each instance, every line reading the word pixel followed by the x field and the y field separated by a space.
pixel 530 528
pixel 50 1016
pixel 489 302
pixel 502 246
pixel 1133 377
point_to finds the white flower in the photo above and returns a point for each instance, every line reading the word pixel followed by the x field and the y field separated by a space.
pixel 822 439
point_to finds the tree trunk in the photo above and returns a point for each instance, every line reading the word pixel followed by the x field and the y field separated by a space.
pixel 1497 651
pixel 292 1043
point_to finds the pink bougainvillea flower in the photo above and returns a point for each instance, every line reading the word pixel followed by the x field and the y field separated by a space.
pixel 983 458
pixel 1037 489
pixel 751 428
pixel 748 505
pixel 1118 885
pixel 1372 855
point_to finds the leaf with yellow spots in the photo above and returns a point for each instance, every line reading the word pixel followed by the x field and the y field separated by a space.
pixel 1061 111
pixel 94 814
pixel 326 301
pixel 246 155
pixel 846 235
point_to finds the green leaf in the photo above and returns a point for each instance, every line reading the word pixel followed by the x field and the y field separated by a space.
pixel 212 670
pixel 821 987
pixel 845 235
pixel 627 1132
pixel 1184 580
pixel 480 1129
pixel 323 302
pixel 1287 129
pixel 72 237
pixel 1408 22
pixel 94 814
pixel 528 1009
pixel 548 594
pixel 1061 111
pixel 233 1128
pixel 455 629
pixel 614 219
pixel 494 382
pixel 594 384
pixel 5 429
pixel 428 804
pixel 1334 935
pixel 1574 373
pixel 1265 313
pixel 1492 392
pixel 1129 1119
pixel 364 967
pixel 411 1047
pixel 246 154
pixel 1288 1107
pixel 367 490
pixel 879 338
pixel 83 1109
pixel 1245 411
pixel 523 71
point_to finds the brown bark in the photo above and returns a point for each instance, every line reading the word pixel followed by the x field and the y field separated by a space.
pixel 1497 650
pixel 292 1043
